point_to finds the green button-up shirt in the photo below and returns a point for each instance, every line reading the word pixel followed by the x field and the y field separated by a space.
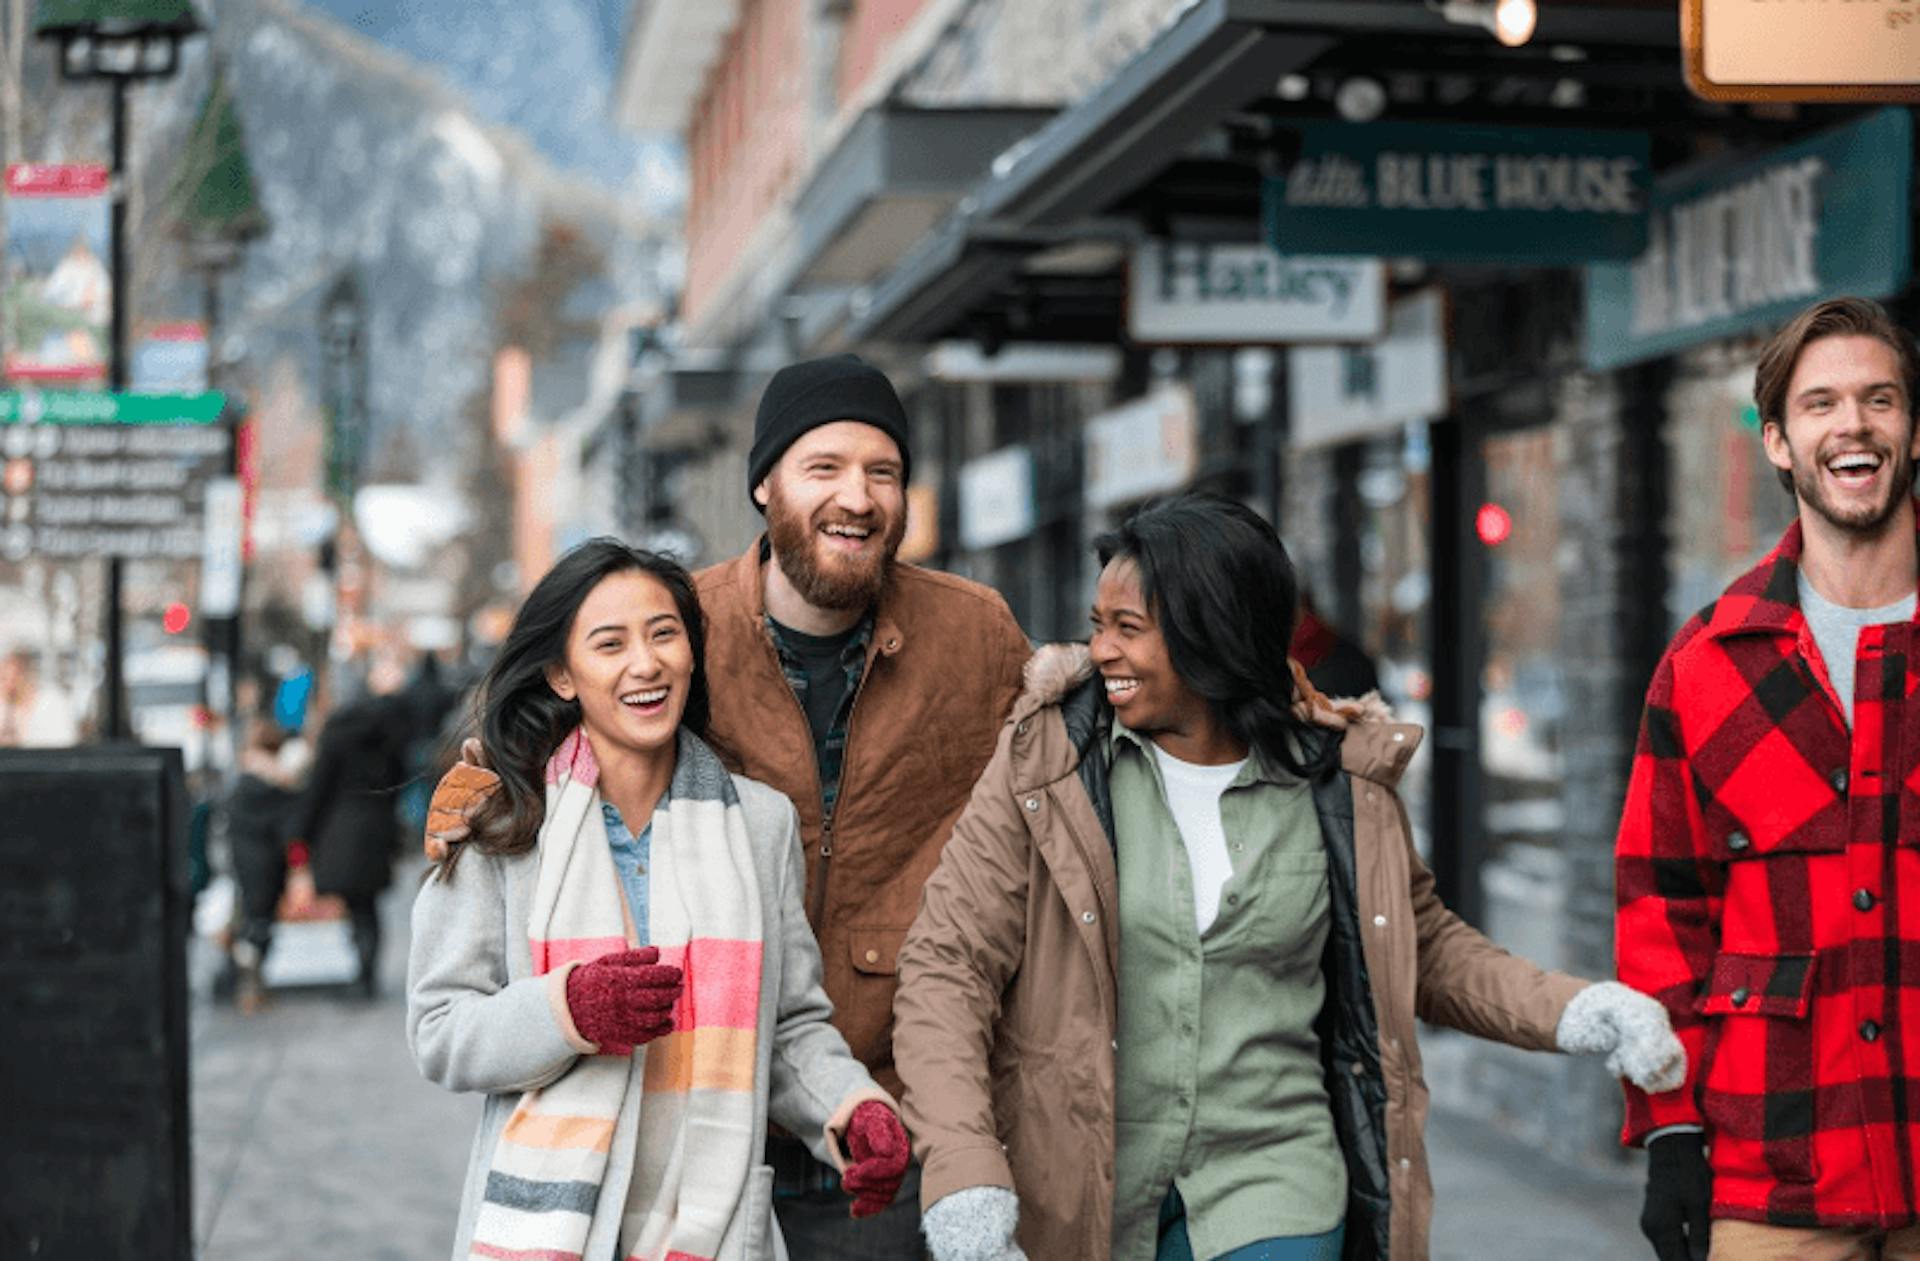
pixel 1221 1091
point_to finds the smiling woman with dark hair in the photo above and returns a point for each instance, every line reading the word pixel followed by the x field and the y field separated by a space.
pixel 1159 1002
pixel 622 964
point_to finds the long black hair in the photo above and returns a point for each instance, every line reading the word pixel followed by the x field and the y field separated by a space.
pixel 1219 582
pixel 522 720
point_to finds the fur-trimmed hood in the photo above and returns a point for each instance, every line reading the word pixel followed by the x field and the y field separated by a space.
pixel 1376 747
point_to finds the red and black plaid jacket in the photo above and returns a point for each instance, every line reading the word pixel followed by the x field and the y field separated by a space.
pixel 1768 883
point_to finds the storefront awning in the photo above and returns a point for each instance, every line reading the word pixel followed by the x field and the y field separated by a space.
pixel 1178 137
pixel 679 405
pixel 892 177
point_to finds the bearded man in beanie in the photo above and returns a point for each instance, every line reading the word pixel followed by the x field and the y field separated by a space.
pixel 869 691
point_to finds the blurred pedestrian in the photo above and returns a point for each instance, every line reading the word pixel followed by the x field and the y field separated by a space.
pixel 1768 844
pixel 1159 1003
pixel 869 692
pixel 260 820
pixel 34 713
pixel 1335 662
pixel 348 818
pixel 629 921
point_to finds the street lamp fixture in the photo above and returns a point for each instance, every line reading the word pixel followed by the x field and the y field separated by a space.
pixel 120 43
pixel 1511 21
pixel 116 39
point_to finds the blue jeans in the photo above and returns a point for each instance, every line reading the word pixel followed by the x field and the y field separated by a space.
pixel 1175 1246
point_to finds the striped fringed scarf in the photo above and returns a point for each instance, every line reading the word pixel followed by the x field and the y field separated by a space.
pixel 696 1137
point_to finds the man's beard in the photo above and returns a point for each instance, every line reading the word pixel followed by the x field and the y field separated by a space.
pixel 831 582
pixel 1864 520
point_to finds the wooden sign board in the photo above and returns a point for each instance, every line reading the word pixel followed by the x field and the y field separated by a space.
pixel 1860 51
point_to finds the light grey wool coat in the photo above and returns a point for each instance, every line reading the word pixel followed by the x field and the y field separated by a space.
pixel 478 1019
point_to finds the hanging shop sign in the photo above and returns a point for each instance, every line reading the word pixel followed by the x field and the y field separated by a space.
pixel 996 498
pixel 57 298
pixel 1736 246
pixel 1762 50
pixel 108 474
pixel 1346 393
pixel 1521 195
pixel 1187 292
pixel 1147 447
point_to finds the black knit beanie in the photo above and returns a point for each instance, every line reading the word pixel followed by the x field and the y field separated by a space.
pixel 817 392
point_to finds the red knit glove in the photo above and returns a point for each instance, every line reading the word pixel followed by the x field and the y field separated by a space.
pixel 620 1001
pixel 878 1144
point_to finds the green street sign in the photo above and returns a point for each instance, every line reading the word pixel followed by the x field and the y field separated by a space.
pixel 1522 195
pixel 78 407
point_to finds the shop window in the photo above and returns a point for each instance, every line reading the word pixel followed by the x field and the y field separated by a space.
pixel 1727 509
pixel 1523 695
pixel 1393 493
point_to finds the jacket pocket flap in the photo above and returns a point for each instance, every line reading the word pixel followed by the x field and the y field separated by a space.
pixel 875 951
pixel 1758 985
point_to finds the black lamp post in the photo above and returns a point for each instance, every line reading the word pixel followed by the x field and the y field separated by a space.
pixel 121 42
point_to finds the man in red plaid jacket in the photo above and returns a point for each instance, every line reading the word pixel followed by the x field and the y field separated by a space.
pixel 1768 862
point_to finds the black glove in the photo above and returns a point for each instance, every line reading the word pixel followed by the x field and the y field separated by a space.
pixel 1679 1194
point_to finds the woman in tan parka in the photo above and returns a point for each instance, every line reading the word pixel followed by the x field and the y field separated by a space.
pixel 1175 805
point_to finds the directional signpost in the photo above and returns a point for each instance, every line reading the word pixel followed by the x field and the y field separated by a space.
pixel 95 474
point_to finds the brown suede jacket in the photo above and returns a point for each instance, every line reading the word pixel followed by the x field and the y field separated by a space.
pixel 942 671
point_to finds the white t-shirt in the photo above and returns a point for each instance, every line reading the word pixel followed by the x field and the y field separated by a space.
pixel 1193 798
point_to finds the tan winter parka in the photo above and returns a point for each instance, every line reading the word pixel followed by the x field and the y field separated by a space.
pixel 1006 1011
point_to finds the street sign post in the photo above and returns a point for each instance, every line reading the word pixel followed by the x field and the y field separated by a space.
pixel 108 474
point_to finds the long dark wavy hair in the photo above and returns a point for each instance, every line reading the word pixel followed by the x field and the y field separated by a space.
pixel 521 720
pixel 1219 582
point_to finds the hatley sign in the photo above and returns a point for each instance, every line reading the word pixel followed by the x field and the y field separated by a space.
pixel 1508 194
pixel 1736 246
pixel 1187 292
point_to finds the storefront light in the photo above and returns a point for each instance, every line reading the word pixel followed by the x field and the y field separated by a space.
pixel 1511 21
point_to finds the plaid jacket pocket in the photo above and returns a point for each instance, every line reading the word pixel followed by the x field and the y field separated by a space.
pixel 1759 985
pixel 1759 1097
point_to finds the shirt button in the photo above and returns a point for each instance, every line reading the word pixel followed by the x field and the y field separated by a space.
pixel 1406 1162
pixel 1863 899
pixel 1359 1069
pixel 1399 737
pixel 1379 921
pixel 1740 996
pixel 1086 917
pixel 1869 1030
pixel 1233 899
pixel 1839 782
pixel 1032 803
pixel 1737 841
pixel 1021 728
pixel 873 956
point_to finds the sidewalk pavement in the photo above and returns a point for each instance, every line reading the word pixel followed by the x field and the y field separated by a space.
pixel 314 1137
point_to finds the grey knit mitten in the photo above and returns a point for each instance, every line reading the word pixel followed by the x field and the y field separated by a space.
pixel 1631 1029
pixel 975 1224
